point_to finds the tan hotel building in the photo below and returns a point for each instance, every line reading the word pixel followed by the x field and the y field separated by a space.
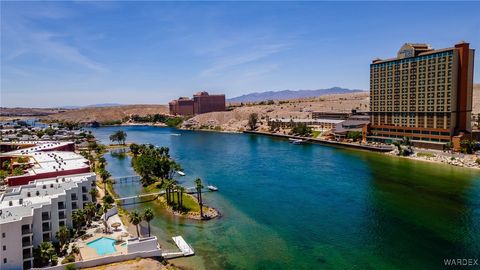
pixel 423 94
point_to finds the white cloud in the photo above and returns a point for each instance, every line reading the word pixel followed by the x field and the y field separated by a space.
pixel 21 38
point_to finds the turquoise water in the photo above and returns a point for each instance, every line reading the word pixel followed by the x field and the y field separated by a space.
pixel 291 206
pixel 103 245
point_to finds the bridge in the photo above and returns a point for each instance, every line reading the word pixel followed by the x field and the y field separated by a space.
pixel 141 198
pixel 126 179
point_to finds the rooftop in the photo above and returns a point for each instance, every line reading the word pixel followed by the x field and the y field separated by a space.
pixel 25 198
pixel 53 161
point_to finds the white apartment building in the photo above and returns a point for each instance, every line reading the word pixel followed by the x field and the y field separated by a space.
pixel 33 213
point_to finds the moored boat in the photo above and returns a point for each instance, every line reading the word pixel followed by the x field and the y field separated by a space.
pixel 212 188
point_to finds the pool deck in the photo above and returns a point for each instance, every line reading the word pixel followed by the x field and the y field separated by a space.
pixel 121 233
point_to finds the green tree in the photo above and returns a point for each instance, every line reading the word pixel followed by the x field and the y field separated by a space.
pixel 199 186
pixel 469 146
pixel 108 199
pixel 93 192
pixel 62 235
pixel 50 131
pixel 135 218
pixel 45 252
pixel 105 208
pixel 104 174
pixel 90 210
pixel 135 149
pixel 252 121
pixel 78 218
pixel 148 216
pixel 354 135
pixel 119 136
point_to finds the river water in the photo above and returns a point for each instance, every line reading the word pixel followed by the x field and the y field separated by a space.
pixel 291 206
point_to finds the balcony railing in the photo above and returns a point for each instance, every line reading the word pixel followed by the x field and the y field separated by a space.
pixel 45 217
pixel 26 230
pixel 26 243
pixel 61 206
pixel 46 228
pixel 62 216
pixel 27 255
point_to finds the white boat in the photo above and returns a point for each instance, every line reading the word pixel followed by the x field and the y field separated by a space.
pixel 297 141
pixel 212 188
pixel 181 173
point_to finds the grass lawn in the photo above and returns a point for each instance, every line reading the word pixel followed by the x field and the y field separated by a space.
pixel 315 134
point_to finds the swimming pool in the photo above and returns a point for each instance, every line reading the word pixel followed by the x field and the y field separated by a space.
pixel 103 245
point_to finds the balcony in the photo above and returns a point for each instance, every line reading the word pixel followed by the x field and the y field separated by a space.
pixel 73 197
pixel 27 254
pixel 45 217
pixel 61 206
pixel 26 243
pixel 62 215
pixel 84 190
pixel 46 227
pixel 26 231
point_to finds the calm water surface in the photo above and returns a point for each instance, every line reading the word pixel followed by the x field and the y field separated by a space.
pixel 291 206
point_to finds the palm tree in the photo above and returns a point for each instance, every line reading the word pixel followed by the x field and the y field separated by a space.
pixel 182 190
pixel 62 235
pixel 105 208
pixel 199 186
pixel 93 192
pixel 90 209
pixel 148 216
pixel 135 219
pixel 104 174
pixel 108 199
pixel 101 161
pixel 78 217
pixel 45 251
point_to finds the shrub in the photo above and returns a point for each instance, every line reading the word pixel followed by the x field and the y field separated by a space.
pixel 477 161
pixel 54 260
pixel 70 266
pixel 69 259
pixel 426 155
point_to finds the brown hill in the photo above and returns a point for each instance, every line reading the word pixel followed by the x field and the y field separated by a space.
pixel 106 114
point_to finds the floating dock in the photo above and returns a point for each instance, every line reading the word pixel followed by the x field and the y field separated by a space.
pixel 186 249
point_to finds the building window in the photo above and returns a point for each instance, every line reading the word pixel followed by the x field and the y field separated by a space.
pixel 4 248
pixel 5 260
pixel 46 237
pixel 3 235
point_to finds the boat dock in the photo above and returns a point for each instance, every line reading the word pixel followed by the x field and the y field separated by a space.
pixel 185 249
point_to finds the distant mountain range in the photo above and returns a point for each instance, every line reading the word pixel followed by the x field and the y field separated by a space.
pixel 91 106
pixel 290 94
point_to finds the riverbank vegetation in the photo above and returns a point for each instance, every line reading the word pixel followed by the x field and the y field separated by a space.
pixel 157 170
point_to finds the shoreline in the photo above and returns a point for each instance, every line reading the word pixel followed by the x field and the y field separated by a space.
pixel 457 162
pixel 211 213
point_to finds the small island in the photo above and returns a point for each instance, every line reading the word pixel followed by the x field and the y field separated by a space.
pixel 157 170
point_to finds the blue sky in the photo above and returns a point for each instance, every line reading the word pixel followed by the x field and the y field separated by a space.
pixel 80 53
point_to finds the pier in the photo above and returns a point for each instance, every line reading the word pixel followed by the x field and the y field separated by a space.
pixel 185 249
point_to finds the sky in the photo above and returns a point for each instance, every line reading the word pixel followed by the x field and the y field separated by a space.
pixel 81 53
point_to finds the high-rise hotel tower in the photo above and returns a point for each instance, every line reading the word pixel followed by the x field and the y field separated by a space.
pixel 423 94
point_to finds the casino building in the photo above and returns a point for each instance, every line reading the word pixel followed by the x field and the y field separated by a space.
pixel 423 94
pixel 202 102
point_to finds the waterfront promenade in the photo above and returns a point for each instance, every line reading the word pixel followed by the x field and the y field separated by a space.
pixel 375 148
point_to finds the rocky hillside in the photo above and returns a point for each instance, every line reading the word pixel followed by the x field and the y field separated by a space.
pixel 237 119
pixel 290 94
pixel 106 114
